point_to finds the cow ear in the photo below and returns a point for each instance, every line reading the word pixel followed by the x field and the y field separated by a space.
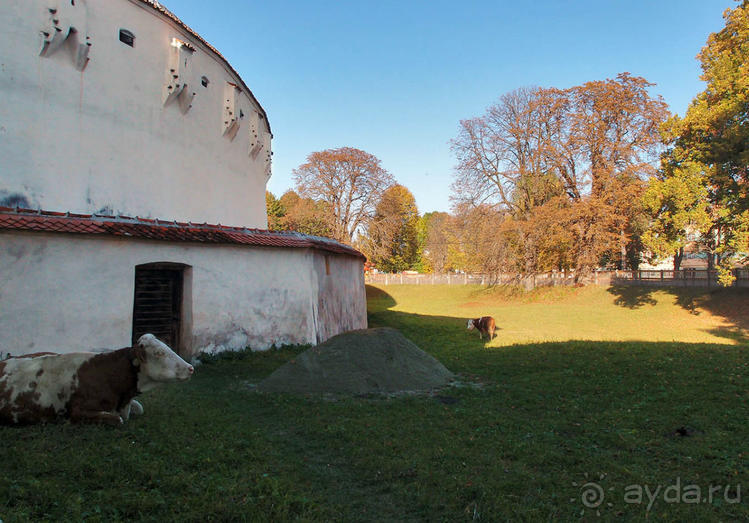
pixel 140 355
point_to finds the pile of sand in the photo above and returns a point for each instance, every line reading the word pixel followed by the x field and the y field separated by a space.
pixel 360 362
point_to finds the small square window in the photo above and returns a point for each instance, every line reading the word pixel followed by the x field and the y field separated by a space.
pixel 204 80
pixel 127 38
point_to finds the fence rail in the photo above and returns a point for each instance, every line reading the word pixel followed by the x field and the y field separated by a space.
pixel 548 279
pixel 682 278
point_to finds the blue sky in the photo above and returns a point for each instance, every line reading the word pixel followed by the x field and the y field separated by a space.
pixel 394 78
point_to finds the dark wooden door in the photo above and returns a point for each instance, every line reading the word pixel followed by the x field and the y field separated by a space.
pixel 157 304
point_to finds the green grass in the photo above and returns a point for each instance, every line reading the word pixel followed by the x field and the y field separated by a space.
pixel 580 383
pixel 579 313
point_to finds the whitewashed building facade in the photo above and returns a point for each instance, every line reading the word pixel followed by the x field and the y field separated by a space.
pixel 125 140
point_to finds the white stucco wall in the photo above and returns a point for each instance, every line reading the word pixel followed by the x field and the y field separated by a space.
pixel 102 139
pixel 341 296
pixel 67 292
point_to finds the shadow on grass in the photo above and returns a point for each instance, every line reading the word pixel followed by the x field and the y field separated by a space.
pixel 732 333
pixel 442 330
pixel 632 297
pixel 730 304
pixel 516 449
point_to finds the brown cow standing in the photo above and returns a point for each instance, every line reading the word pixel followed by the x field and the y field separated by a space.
pixel 485 325
pixel 85 386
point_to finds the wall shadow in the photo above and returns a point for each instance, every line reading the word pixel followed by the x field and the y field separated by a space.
pixel 435 330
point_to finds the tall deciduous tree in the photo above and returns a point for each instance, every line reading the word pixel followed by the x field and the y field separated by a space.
pixel 606 147
pixel 391 241
pixel 503 155
pixel 677 202
pixel 614 132
pixel 438 239
pixel 291 212
pixel 715 133
pixel 579 156
pixel 275 211
pixel 350 180
pixel 482 241
pixel 305 215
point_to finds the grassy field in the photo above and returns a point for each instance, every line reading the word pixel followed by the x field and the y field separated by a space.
pixel 583 313
pixel 630 391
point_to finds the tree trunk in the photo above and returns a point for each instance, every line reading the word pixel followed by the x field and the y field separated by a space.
pixel 678 257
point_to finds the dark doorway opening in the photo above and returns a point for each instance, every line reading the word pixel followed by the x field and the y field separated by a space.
pixel 157 305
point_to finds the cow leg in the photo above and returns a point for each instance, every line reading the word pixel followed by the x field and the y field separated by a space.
pixel 136 409
pixel 133 408
pixel 78 415
pixel 125 412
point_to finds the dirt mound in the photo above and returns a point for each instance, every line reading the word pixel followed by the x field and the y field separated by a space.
pixel 360 362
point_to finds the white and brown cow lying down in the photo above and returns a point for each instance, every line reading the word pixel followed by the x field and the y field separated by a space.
pixel 485 325
pixel 85 386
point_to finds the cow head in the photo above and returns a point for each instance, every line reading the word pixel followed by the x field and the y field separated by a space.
pixel 470 325
pixel 158 363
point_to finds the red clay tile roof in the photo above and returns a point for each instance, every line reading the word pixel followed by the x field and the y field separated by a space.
pixel 151 229
pixel 159 7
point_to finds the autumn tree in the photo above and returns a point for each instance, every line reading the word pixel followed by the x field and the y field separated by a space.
pixel 391 237
pixel 503 155
pixel 484 241
pixel 305 215
pixel 437 241
pixel 677 202
pixel 715 133
pixel 614 133
pixel 291 212
pixel 615 130
pixel 577 156
pixel 505 168
pixel 275 211
pixel 350 181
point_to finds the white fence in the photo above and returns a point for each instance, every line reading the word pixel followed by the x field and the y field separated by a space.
pixel 683 278
pixel 538 280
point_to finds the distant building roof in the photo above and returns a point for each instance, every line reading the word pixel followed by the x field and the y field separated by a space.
pixel 161 230
pixel 163 10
